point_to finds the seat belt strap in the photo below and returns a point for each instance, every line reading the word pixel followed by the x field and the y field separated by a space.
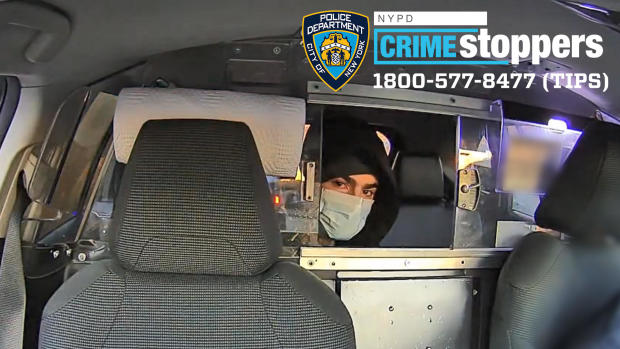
pixel 12 286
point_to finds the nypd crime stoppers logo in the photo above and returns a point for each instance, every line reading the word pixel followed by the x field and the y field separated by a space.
pixel 335 44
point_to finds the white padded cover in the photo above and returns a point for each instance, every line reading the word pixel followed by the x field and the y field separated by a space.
pixel 276 122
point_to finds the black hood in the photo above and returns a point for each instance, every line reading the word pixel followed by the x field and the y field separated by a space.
pixel 350 147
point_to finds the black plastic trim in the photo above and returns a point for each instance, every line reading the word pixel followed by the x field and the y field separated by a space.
pixel 9 97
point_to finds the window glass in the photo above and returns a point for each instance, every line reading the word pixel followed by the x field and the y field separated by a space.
pixel 515 162
pixel 298 216
pixel 70 179
pixel 532 154
pixel 99 217
pixel 54 150
pixel 296 199
pixel 477 215
pixel 415 152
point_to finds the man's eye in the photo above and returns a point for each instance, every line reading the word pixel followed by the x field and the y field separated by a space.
pixel 369 193
pixel 341 184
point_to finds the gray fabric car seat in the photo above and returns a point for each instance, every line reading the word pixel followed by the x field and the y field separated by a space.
pixel 550 291
pixel 424 219
pixel 196 257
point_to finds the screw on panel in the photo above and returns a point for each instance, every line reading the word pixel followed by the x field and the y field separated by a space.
pixel 81 256
pixel 310 263
pixel 391 308
pixel 55 253
pixel 277 50
pixel 333 264
pixel 430 307
pixel 598 115
pixel 237 50
pixel 161 82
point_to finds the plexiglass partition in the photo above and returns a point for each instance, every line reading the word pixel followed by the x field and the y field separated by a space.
pixel 479 206
pixel 505 167
pixel 296 200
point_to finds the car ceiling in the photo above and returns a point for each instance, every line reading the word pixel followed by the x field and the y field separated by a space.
pixel 108 36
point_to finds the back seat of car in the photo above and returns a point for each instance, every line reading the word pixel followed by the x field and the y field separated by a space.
pixel 424 218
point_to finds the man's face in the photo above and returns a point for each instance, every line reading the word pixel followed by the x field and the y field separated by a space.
pixel 362 185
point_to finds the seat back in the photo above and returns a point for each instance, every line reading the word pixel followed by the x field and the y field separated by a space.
pixel 196 251
pixel 548 289
pixel 424 219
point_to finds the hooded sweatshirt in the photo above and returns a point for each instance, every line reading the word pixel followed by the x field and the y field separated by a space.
pixel 351 147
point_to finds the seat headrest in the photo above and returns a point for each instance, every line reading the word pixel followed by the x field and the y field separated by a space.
pixel 420 178
pixel 194 199
pixel 276 122
pixel 584 198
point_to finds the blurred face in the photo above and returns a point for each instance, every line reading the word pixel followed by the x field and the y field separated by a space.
pixel 362 185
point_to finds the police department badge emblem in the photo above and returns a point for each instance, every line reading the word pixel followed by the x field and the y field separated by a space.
pixel 335 44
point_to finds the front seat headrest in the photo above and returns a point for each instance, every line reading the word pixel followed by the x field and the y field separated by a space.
pixel 584 198
pixel 420 178
pixel 194 199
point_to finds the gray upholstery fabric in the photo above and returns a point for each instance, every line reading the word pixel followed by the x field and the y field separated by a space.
pixel 602 333
pixel 284 308
pixel 421 225
pixel 196 243
pixel 424 219
pixel 420 177
pixel 549 289
pixel 583 200
pixel 194 199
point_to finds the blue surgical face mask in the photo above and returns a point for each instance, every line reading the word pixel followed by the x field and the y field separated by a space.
pixel 343 215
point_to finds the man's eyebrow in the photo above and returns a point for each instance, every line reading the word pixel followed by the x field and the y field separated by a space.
pixel 350 179
pixel 371 185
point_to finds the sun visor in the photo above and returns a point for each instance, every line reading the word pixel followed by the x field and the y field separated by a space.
pixel 276 122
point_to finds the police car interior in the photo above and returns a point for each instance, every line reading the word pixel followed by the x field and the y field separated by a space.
pixel 165 175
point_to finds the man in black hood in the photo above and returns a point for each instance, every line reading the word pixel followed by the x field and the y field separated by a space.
pixel 358 198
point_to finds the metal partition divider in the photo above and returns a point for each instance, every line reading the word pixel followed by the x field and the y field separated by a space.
pixel 381 259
